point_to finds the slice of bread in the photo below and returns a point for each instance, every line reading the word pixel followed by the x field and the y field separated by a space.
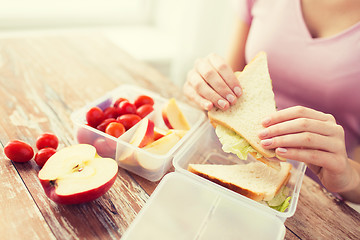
pixel 253 180
pixel 256 103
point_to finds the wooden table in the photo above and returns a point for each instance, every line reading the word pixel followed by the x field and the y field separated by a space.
pixel 43 80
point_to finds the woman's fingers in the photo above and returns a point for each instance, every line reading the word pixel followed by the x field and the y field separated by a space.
pixel 226 73
pixel 215 81
pixel 219 76
pixel 297 112
pixel 309 136
pixel 196 98
pixel 333 170
pixel 317 159
pixel 212 83
pixel 304 140
pixel 300 125
pixel 205 91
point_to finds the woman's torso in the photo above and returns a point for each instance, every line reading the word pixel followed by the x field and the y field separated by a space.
pixel 320 73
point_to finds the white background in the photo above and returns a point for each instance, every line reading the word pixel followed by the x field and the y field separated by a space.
pixel 168 34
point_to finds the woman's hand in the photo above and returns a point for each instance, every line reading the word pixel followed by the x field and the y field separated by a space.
pixel 212 83
pixel 313 137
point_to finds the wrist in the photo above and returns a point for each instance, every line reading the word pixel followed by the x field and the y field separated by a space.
pixel 352 191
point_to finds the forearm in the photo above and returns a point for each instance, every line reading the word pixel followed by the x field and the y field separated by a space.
pixel 353 195
pixel 236 52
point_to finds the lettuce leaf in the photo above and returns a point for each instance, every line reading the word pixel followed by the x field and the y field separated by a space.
pixel 234 143
pixel 282 207
pixel 281 200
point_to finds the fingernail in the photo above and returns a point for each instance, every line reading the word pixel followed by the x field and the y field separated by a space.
pixel 264 132
pixel 230 98
pixel 237 91
pixel 281 150
pixel 207 106
pixel 222 103
pixel 266 121
pixel 266 142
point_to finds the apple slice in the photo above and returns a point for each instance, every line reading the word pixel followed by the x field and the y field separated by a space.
pixel 76 174
pixel 160 147
pixel 144 133
pixel 173 116
pixel 179 132
pixel 159 133
pixel 164 144
pixel 128 160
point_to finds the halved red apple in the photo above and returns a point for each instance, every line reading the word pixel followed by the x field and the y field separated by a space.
pixel 173 116
pixel 76 174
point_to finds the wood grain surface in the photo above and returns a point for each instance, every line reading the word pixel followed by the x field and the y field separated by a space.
pixel 43 80
pixel 320 215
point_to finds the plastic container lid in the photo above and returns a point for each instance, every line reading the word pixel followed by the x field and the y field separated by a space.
pixel 184 208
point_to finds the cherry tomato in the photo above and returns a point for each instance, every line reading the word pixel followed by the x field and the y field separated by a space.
pixel 18 151
pixel 128 120
pixel 102 126
pixel 95 116
pixel 115 129
pixel 125 107
pixel 47 140
pixel 118 101
pixel 144 110
pixel 43 155
pixel 111 112
pixel 142 100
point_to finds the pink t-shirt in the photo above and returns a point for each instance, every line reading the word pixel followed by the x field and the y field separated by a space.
pixel 320 73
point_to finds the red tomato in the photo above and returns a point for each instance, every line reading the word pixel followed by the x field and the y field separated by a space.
pixel 125 107
pixel 95 116
pixel 144 110
pixel 43 155
pixel 102 126
pixel 47 140
pixel 18 151
pixel 142 100
pixel 115 129
pixel 118 101
pixel 128 120
pixel 111 112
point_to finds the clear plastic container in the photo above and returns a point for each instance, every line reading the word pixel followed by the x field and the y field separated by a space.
pixel 139 161
pixel 205 147
pixel 183 208
pixel 187 206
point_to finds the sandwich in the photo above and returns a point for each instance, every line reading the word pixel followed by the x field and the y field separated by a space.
pixel 239 125
pixel 254 180
pixel 237 129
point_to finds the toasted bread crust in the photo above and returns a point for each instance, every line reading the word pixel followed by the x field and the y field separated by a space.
pixel 228 185
pixel 238 189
